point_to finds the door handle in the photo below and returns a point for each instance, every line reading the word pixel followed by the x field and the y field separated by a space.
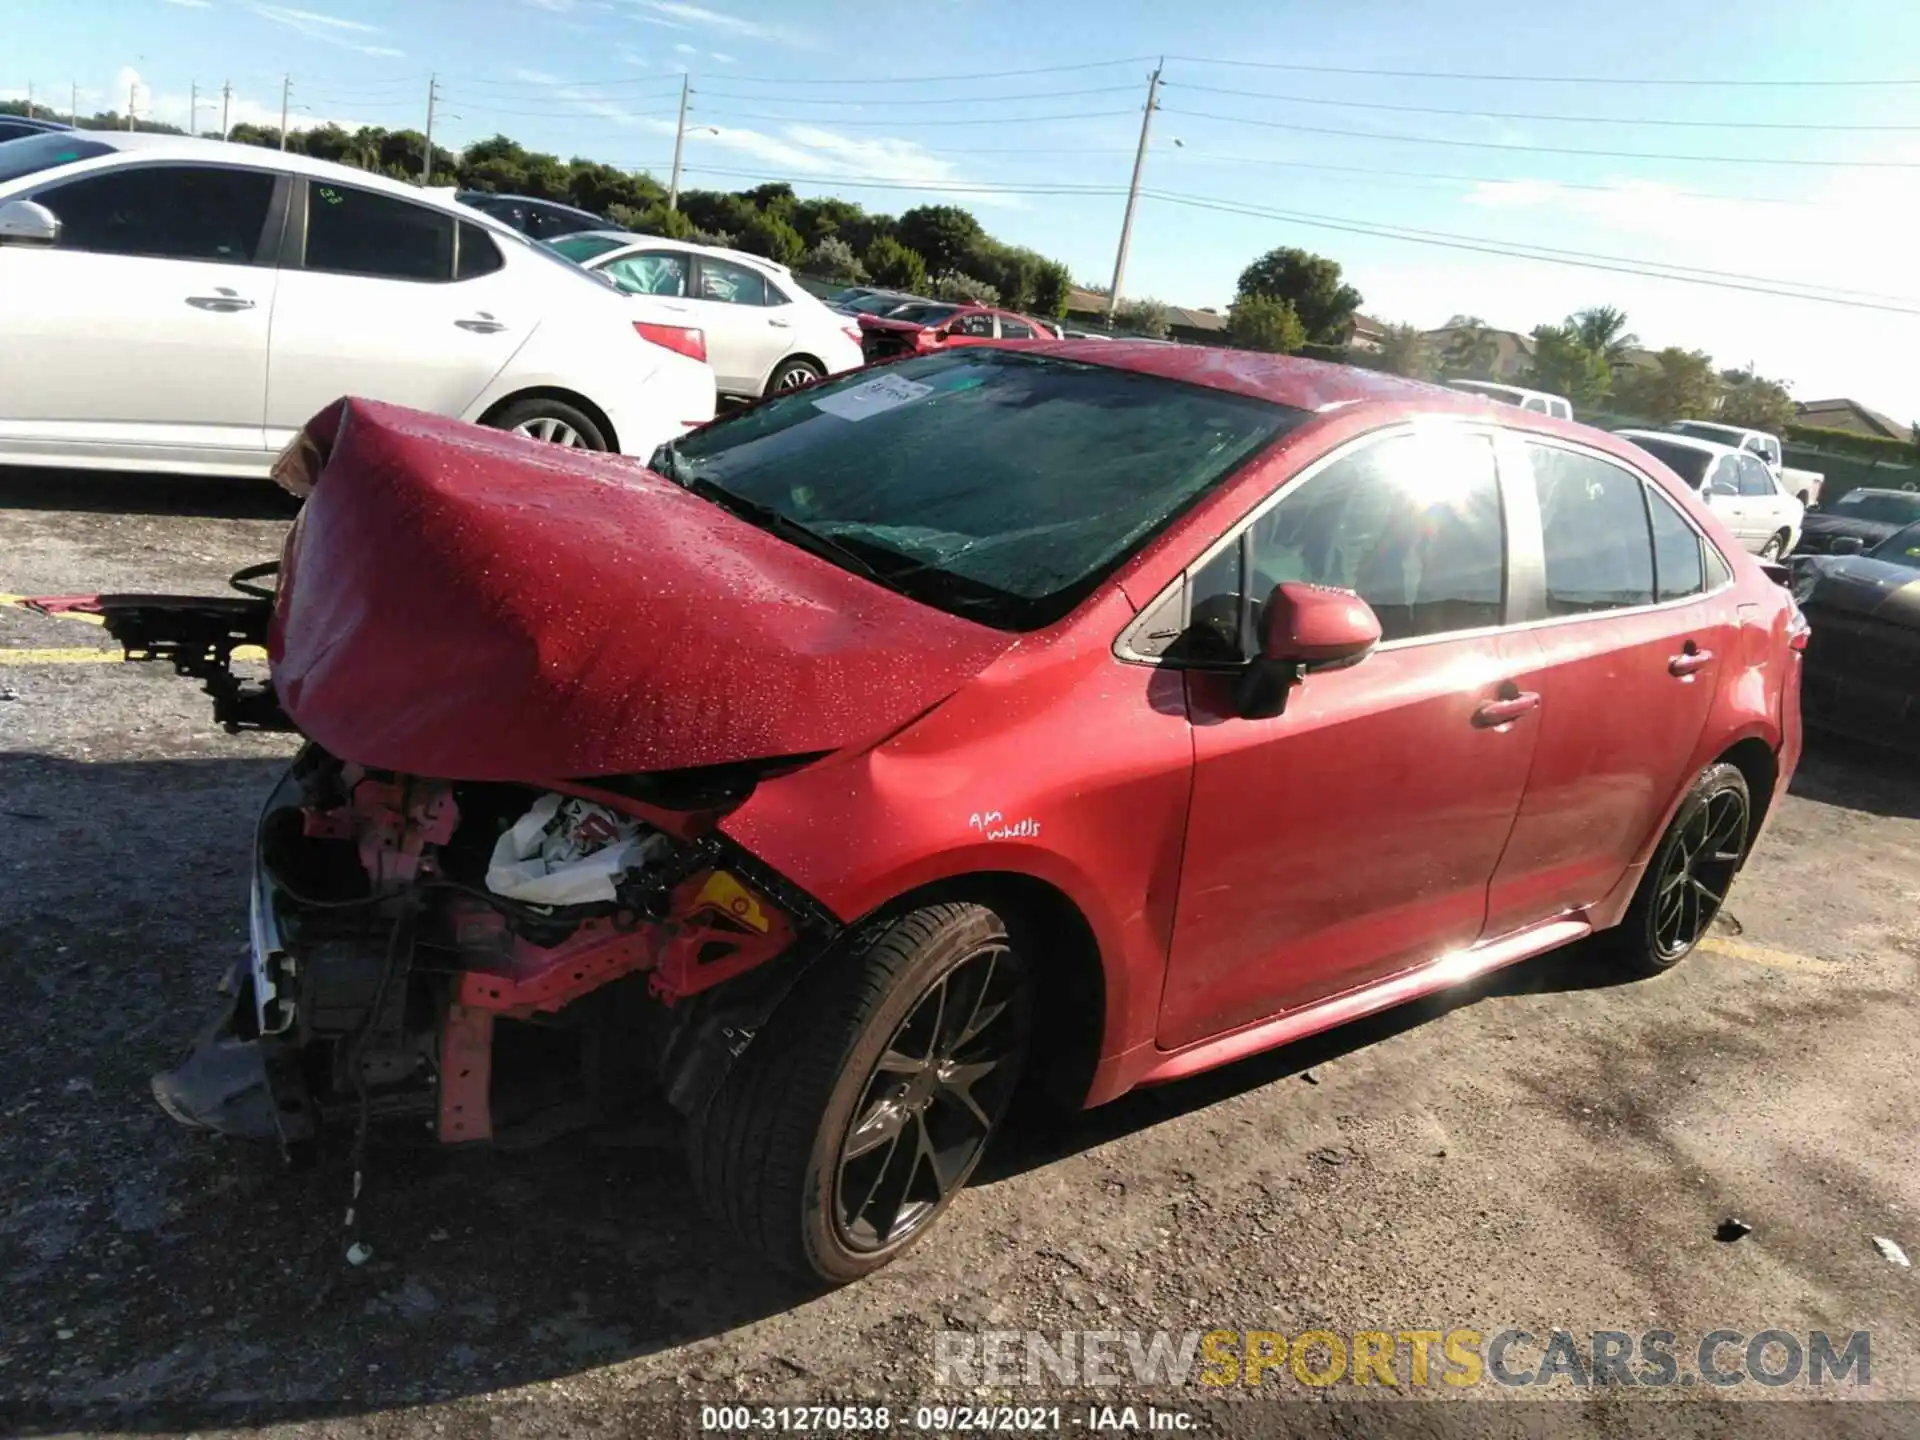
pixel 1689 660
pixel 778 323
pixel 223 301
pixel 485 325
pixel 1506 709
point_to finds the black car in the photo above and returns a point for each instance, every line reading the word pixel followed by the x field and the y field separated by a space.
pixel 538 219
pixel 1862 674
pixel 16 127
pixel 1868 516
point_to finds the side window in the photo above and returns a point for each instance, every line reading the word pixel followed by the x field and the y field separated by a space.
pixel 1677 561
pixel 1593 521
pixel 1755 478
pixel 356 232
pixel 1411 522
pixel 978 325
pixel 731 284
pixel 1535 404
pixel 1015 329
pixel 171 212
pixel 478 255
pixel 663 272
pixel 1724 478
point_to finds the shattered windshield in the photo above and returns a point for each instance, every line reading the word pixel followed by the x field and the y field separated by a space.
pixel 1000 485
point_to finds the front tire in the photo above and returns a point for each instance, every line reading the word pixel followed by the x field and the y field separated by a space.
pixel 1689 876
pixel 553 421
pixel 1775 547
pixel 862 1107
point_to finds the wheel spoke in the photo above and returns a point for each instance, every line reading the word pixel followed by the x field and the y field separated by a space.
pixel 880 1206
pixel 1706 893
pixel 972 1023
pixel 927 1154
pixel 957 1082
pixel 894 1062
pixel 881 1125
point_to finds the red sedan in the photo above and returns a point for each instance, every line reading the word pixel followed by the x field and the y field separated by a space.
pixel 1100 713
pixel 921 326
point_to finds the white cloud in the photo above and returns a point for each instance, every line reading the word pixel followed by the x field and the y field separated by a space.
pixel 680 15
pixel 558 7
pixel 685 49
pixel 723 59
pixel 192 4
pixel 328 29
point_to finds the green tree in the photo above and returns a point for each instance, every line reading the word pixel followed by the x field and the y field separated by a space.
pixel 1404 350
pixel 1603 329
pixel 1564 364
pixel 1680 384
pixel 893 265
pixel 955 286
pixel 774 238
pixel 1755 402
pixel 1311 284
pixel 943 235
pixel 833 259
pixel 1471 348
pixel 1052 285
pixel 1143 317
pixel 1260 322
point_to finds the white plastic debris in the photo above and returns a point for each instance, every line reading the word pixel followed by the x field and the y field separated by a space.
pixel 567 852
pixel 1890 1251
pixel 359 1252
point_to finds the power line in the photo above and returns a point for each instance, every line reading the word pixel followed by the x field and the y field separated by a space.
pixel 1515 251
pixel 924 100
pixel 1550 149
pixel 975 120
pixel 1692 80
pixel 1534 115
pixel 936 79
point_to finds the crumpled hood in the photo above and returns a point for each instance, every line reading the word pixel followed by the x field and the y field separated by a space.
pixel 458 603
pixel 1860 585
pixel 1827 527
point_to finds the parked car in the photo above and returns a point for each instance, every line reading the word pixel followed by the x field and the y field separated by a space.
pixel 536 219
pixel 928 325
pixel 880 303
pixel 896 695
pixel 190 304
pixel 1735 484
pixel 14 127
pixel 1863 660
pixel 1754 442
pixel 1538 401
pixel 764 333
pixel 1865 515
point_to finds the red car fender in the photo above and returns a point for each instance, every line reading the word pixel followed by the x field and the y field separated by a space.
pixel 1058 763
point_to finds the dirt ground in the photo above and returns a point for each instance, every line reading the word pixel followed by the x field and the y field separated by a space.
pixel 1541 1150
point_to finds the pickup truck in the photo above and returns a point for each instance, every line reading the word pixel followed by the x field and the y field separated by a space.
pixel 1803 485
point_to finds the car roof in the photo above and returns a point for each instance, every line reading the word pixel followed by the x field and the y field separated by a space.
pixel 531 200
pixel 1724 428
pixel 34 122
pixel 1689 442
pixel 226 152
pixel 744 257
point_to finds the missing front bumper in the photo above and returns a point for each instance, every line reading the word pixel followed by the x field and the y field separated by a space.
pixel 238 1083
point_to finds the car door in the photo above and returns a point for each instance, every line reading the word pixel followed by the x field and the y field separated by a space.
pixel 377 303
pixel 1763 507
pixel 1634 620
pixel 1721 491
pixel 749 325
pixel 1355 834
pixel 142 332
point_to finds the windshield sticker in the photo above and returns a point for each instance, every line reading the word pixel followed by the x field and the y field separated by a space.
pixel 875 397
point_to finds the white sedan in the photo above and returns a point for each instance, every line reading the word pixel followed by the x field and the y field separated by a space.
pixel 1737 486
pixel 187 305
pixel 764 332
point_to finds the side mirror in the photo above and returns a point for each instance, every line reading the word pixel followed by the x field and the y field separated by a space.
pixel 26 222
pixel 1307 628
pixel 1846 545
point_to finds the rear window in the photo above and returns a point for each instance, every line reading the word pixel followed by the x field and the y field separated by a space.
pixel 1685 461
pixel 34 153
pixel 922 314
pixel 996 484
pixel 582 248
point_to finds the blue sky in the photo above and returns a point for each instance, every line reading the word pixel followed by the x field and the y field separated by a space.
pixel 799 91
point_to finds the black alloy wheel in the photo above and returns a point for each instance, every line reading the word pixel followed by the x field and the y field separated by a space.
pixel 1698 873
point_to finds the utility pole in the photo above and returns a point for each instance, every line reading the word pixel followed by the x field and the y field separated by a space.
pixel 286 90
pixel 193 108
pixel 226 105
pixel 30 99
pixel 433 93
pixel 73 104
pixel 1133 194
pixel 132 85
pixel 679 139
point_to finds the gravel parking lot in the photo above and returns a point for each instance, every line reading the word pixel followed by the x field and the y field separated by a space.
pixel 1541 1150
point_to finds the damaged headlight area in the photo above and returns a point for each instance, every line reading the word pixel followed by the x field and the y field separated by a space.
pixel 492 961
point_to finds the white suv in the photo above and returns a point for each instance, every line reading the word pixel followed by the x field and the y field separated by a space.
pixel 187 305
pixel 764 333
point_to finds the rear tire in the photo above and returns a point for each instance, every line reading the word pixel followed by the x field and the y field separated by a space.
pixel 792 373
pixel 553 421
pixel 1775 547
pixel 861 1108
pixel 1689 876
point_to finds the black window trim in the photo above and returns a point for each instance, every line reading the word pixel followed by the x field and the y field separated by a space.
pixel 1178 592
pixel 267 248
pixel 293 249
pixel 1536 597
